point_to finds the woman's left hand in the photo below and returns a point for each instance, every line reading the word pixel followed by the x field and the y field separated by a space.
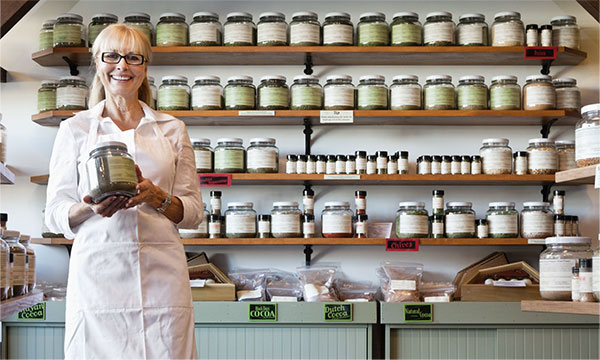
pixel 147 192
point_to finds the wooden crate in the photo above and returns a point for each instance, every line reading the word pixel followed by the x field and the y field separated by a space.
pixel 472 290
pixel 213 292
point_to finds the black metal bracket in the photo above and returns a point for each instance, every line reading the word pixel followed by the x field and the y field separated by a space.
pixel 546 66
pixel 546 128
pixel 72 66
pixel 307 135
pixel 69 248
pixel 307 185
pixel 308 70
pixel 308 252
pixel 546 192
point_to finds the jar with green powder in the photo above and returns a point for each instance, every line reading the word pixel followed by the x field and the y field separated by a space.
pixel 46 96
pixel 372 93
pixel 69 31
pixel 239 30
pixel 174 93
pixel 206 30
pixel 154 91
pixel 207 93
pixel 273 93
pixel 338 29
pixel 99 22
pixel 505 93
pixel 141 21
pixel 271 29
pixel 240 93
pixel 71 93
pixel 172 30
pixel 503 220
pixel 230 156
pixel 439 93
pixel 472 93
pixel 46 38
pixel 373 30
pixel 406 29
pixel 307 94
pixel 305 29
pixel 111 171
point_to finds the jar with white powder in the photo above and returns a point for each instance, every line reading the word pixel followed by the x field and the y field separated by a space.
pixel 537 220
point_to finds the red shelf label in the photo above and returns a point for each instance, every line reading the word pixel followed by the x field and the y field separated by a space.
pixel 401 244
pixel 540 52
pixel 220 180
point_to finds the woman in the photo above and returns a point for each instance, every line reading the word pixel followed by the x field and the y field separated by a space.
pixel 128 293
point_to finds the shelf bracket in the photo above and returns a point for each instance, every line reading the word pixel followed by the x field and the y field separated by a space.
pixel 72 66
pixel 307 135
pixel 308 252
pixel 308 70
pixel 307 185
pixel 546 192
pixel 546 128
pixel 546 66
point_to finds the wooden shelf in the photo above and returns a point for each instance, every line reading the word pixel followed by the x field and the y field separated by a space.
pixel 324 55
pixel 563 307
pixel 585 175
pixel 39 179
pixel 14 305
pixel 6 176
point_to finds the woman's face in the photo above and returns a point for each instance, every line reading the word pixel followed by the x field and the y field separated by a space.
pixel 121 79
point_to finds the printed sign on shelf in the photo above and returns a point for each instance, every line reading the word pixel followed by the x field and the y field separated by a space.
pixel 401 244
pixel 337 116
pixel 221 180
pixel 337 312
pixel 541 52
pixel 36 312
pixel 418 312
pixel 262 312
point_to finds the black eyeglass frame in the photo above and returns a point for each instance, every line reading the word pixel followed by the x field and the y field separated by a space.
pixel 121 57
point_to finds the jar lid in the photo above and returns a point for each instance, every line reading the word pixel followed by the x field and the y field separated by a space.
pixel 590 107
pixel 10 234
pixel 504 77
pixel 438 192
pixel 568 240
pixel 362 217
pixel 272 77
pixel 459 203
pixel 564 81
pixel 339 77
pixel 438 77
pixel 535 203
pixel 70 16
pixel 495 140
pixel 247 204
pixel 305 77
pixel 381 153
pixel 216 193
pixel 563 17
pixel 521 153
pixel 507 13
pixel 531 26
pixel 138 14
pixel 541 141
pixel 559 217
pixel 565 142
pixel 264 217
pixel 559 192
pixel 106 15
pixel 405 14
pixel 546 27
pixel 174 77
pixel 305 13
pixel 49 22
pixel 302 158
pixel 337 14
pixel 3 217
pixel 502 204
pixel 456 158
pixel 372 77
pixel 200 140
pixel 436 158
pixel 308 217
pixel 411 203
pixel 308 192
pixel 371 14
pixel 321 157
pixel 49 82
pixel 312 157
pixel 205 14
pixel 292 157
pixel 404 154
pixel 360 193
pixel 472 15
pixel 371 157
pixel 476 158
pixel 438 13
pixel 340 157
pixel 239 78
pixel 336 203
pixel 331 157
pixel 233 140
pixel 110 144
pixel 472 77
pixel 538 77
pixel 360 153
pixel 271 14
pixel 266 140
pixel 172 14
pixel 76 78
pixel 207 78
pixel 481 221
pixel 239 14
pixel 24 238
pixel 285 203
pixel 437 217
pixel 405 77
pixel 446 158
pixel 466 158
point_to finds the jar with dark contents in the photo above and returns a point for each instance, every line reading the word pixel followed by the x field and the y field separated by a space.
pixel 273 93
pixel 286 221
pixel 264 226
pixel 360 202
pixel 568 96
pixel 18 263
pixel 271 29
pixel 308 226
pixel 111 171
pixel 306 93
pixel 207 93
pixel 69 31
pixel 240 93
pixel 406 29
pixel 141 22
pixel 174 93
pixel 230 156
pixel 203 155
pixel 437 226
pixel 372 30
pixel 372 93
pixel 46 37
pixel 403 162
pixel 305 29
pixel 172 30
pixel 215 202
pixel 412 220
pixel 338 29
pixel 381 162
pixel 338 93
pixel 239 30
pixel 438 30
pixel 206 30
pixel 240 220
pixel 361 161
pixel 336 220
pixel 99 22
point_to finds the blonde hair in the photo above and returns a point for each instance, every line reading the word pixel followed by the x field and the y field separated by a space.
pixel 115 37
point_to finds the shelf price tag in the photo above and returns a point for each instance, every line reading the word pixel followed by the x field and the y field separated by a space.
pixel 256 113
pixel 597 181
pixel 401 244
pixel 541 52
pixel 262 312
pixel 338 312
pixel 34 313
pixel 337 117
pixel 220 180
pixel 341 177
pixel 418 312
pixel 536 241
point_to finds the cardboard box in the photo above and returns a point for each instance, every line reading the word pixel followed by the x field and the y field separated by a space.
pixel 224 291
pixel 493 259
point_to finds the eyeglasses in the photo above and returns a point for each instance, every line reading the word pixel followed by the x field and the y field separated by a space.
pixel 115 58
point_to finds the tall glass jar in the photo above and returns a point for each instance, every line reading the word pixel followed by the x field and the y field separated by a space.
pixel 505 93
pixel 4 268
pixel 372 93
pixel 305 29
pixel 240 93
pixel 46 37
pixel 336 220
pixel 71 93
pixel 262 156
pixel 496 156
pixel 568 96
pixel 338 93
pixel 543 158
pixel 438 29
pixel 203 155
pixel 372 30
pixel 472 93
pixel 239 30
pixel 206 30
pixel 537 220
pixel 174 93
pixel 406 29
pixel 69 31
pixel 99 22
pixel 286 220
pixel 271 29
pixel 46 96
pixel 207 93
pixel 566 155
pixel 472 30
pixel 503 220
pixel 240 220
pixel 508 29
pixel 539 93
pixel 412 220
pixel 172 30
pixel 405 93
pixel 154 91
pixel 460 220
pixel 565 31
pixel 107 156
pixel 587 133
pixel 25 240
pixel 439 93
pixel 306 93
pixel 201 231
pixel 141 21
pixel 273 93
pixel 230 156
pixel 18 263
pixel 338 29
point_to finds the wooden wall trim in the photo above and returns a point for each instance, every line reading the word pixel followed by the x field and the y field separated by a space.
pixel 591 6
pixel 11 11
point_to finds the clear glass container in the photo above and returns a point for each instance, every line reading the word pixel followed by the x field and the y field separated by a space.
pixel 340 164
pixel 412 220
pixel 437 202
pixel 338 93
pixel 71 93
pixel 141 21
pixel 460 220
pixel 537 220
pixel 371 164
pixel 201 231
pixel 271 29
pixel 566 155
pixel 203 155
pixel 308 201
pixel 465 165
pixel 558 202
pixel 372 30
pixel 406 29
pixel 361 225
pixel 99 22
pixel 472 30
pixel 154 91
pixel 311 164
pixel 207 93
pixel 472 93
pixel 482 228
pixel 338 29
pixel 174 93
pixel 559 225
pixel 46 37
pixel 539 93
pixel 111 171
pixel 172 30
pixel 230 156
pixel 446 164
pixel 532 37
pixel 546 35
pixel 215 202
pixel 286 220
pixel 301 164
pixel 240 220
pixel 240 93
pixel 505 93
pixel 568 96
pixel 587 133
pixel 336 220
pixel 424 165
pixel 69 31
pixel 308 225
pixel 455 165
pixel 4 268
pixel 437 226
pixel 565 31
pixel 46 96
pixel 403 162
pixel 476 167
pixel 206 30
pixel 306 93
pixel 239 30
pixel 503 220
pixel 556 263
pixel 305 29
pixel 392 164
pixel 438 29
pixel 273 93
pixel 361 161
pixel 405 93
pixel 439 93
pixel 262 156
pixel 508 29
pixel 372 93
pixel 264 226
pixel 381 162
pixel 290 164
pixel 496 156
pixel 521 162
pixel 543 158
pixel 214 226
pixel 18 263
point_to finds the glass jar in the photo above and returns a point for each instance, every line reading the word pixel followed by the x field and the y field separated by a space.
pixel 4 268
pixel 311 164
pixel 392 164
pixel 546 35
pixel 496 156
pixel 537 220
pixel 472 30
pixel 273 93
pixel 371 164
pixel 172 30
pixel 240 220
pixel 308 226
pixel 336 220
pixel 508 29
pixel 565 31
pixel 405 93
pixel 482 228
pixel 174 93
pixel 154 91
pixel 439 93
pixel 69 31
pixel 403 162
pixel 556 263
pixel 475 165
pixel 290 164
pixel 559 225
pixel 372 30
pixel 18 263
pixel 239 30
pixel 361 161
pixel 543 158
pixel 301 164
pixel 230 156
pixel 215 202
pixel 263 156
pixel 532 37
pixel 308 201
pixel 200 232
pixel 372 93
pixel 446 164
pixel 568 96
pixel 437 226
pixel 271 29
pixel 455 165
pixel 438 29
pixel 99 22
pixel 361 226
pixel 472 93
pixel 340 164
pixel 424 165
pixel 566 155
pixel 521 163
pixel 141 21
pixel 206 30
pixel 465 165
pixel 338 29
pixel 539 93
pixel 46 37
pixel 505 93
pixel 111 171
pixel 305 29
pixel 306 93
pixel 286 220
pixel 460 220
pixel 240 93
pixel 264 226
pixel 381 162
pixel 203 154
pixel 437 202
pixel 503 220
pixel 406 29
pixel 71 93
pixel 46 96
pixel 558 202
pixel 587 133
pixel 207 93
pixel 338 93
pixel 412 220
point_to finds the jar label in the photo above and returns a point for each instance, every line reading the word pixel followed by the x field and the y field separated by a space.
pixel 285 223
pixel 272 96
pixel 508 34
pixel 46 100
pixel 437 203
pixel 340 167
pixel 585 282
pixel 540 95
pixel 339 96
pixel 238 33
pixel 321 167
pixel 240 224
pixel 306 96
pixel 404 33
pixel 203 95
pixel 4 279
pixel 465 167
pixel 560 229
pixel 555 274
pixel 303 33
pixel 93 32
pixel 18 269
pixel 361 163
pixel 338 34
pixel 214 228
pixel 121 169
pixel 308 228
pixel 308 203
pixel 173 97
pixel 171 34
pixel 455 167
pixel 503 96
pixel 409 285
pixel 496 160
pixel 536 222
pixel 373 33
pixel 311 167
pixel 203 159
pixel 392 167
pixel 262 159
pixel 272 31
pixel 424 167
pixel 566 160
pixel 290 167
pixel 460 223
pixel 587 145
pixel 360 203
pixel 596 273
pixel 372 96
pixel 502 224
pixel 568 98
pixel 403 166
pixel 204 32
pixel 71 96
pixel 144 28
pixel 371 167
pixel 446 167
pixel 482 231
pixel 350 167
pixel 566 36
pixel 361 227
pixel 402 95
pixel 413 224
pixel 330 167
pixel 471 34
pixel 543 159
pixel 439 96
pixel 215 204
pixel 301 167
pixel 521 165
pixel 472 96
pixel 437 228
pixel 67 33
pixel 476 168
pixel 382 162
pixel 438 31
pixel 336 224
pixel 229 159
pixel 239 95
pixel 264 227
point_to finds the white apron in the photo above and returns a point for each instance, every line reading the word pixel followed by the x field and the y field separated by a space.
pixel 128 293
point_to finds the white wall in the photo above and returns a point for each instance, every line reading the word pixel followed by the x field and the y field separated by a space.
pixel 29 145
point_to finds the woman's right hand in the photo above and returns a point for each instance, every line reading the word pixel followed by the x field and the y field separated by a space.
pixel 107 207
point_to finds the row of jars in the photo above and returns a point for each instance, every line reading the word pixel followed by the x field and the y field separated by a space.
pixel 17 264
pixel 359 163
pixel 305 30
pixel 230 156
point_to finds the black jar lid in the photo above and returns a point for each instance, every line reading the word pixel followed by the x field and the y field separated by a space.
pixel 351 157
pixel 456 158
pixel 3 217
pixel 393 157
pixel 308 217
pixel 531 26
pixel 466 158
pixel 340 157
pixel 568 218
pixel 559 192
pixel 447 158
pixel 475 158
pixel 308 192
pixel 382 154
pixel 362 217
pixel 216 193
pixel 321 157
pixel 437 217
pixel 404 154
pixel 559 217
pixel 214 218
pixel 520 153
pixel 481 222
pixel 437 158
pixel 438 192
pixel 360 153
pixel 292 157
pixel 303 158
pixel 546 27
pixel 264 217
pixel 420 158
pixel 575 218
pixel 330 157
pixel 312 157
pixel 360 193
pixel 371 157
pixel 585 263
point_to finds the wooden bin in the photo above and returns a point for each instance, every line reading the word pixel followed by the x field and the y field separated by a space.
pixel 213 292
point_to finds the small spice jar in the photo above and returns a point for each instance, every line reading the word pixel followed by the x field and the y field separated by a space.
pixel 371 164
pixel 207 93
pixel 25 240
pixel 559 225
pixel 286 221
pixel 575 225
pixel 586 293
pixel 104 183
pixel 381 162
pixel 465 165
pixel 565 31
pixel 264 226
pixel 336 220
pixel 69 31
pixel 215 202
pixel 507 29
pixel 587 133
pixel 239 30
pixel 338 29
pixel 71 93
pixel 46 36
pixel 558 202
pixel 437 202
pixel 446 164
pixel 351 164
pixel 4 267
pixel 340 164
pixel 262 156
pixel 308 226
pixel 206 30
pixel 201 231
pixel 301 164
pixel 361 162
pixel 543 158
pixel 271 29
pixel 438 29
pixel 360 202
pixel 174 93
pixel 539 93
pixel 568 225
pixel 305 29
pixel 406 29
pixel 338 93
pixel 154 91
pixel 230 156
pixel 321 164
pixel 240 220
pixel 372 93
pixel 482 228
pixel 437 226
pixel 568 96
pixel 403 162
pixel 290 164
pixel 455 165
pixel 472 30
pixel 308 201
pixel 203 154
pixel 392 164
pixel 372 30
pixel 566 155
pixel 311 164
pixel 460 220
pixel 546 35
pixel 537 220
pixel 306 93
pixel 475 165
pixel 424 165
pixel 505 93
pixel 361 226
pixel 439 93
pixel 412 220
pixel 46 96
pixel 503 220
pixel 472 93
pixel 141 22
pixel 521 163
pixel 172 30
pixel 531 35
pixel 405 93
pixel 273 93
pixel 239 93
pixel 18 263
pixel 331 164
pixel 496 156
pixel 99 22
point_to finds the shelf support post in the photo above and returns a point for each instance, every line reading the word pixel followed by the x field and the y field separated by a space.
pixel 546 66
pixel 546 192
pixel 307 135
pixel 308 64
pixel 546 128
pixel 307 254
pixel 72 66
